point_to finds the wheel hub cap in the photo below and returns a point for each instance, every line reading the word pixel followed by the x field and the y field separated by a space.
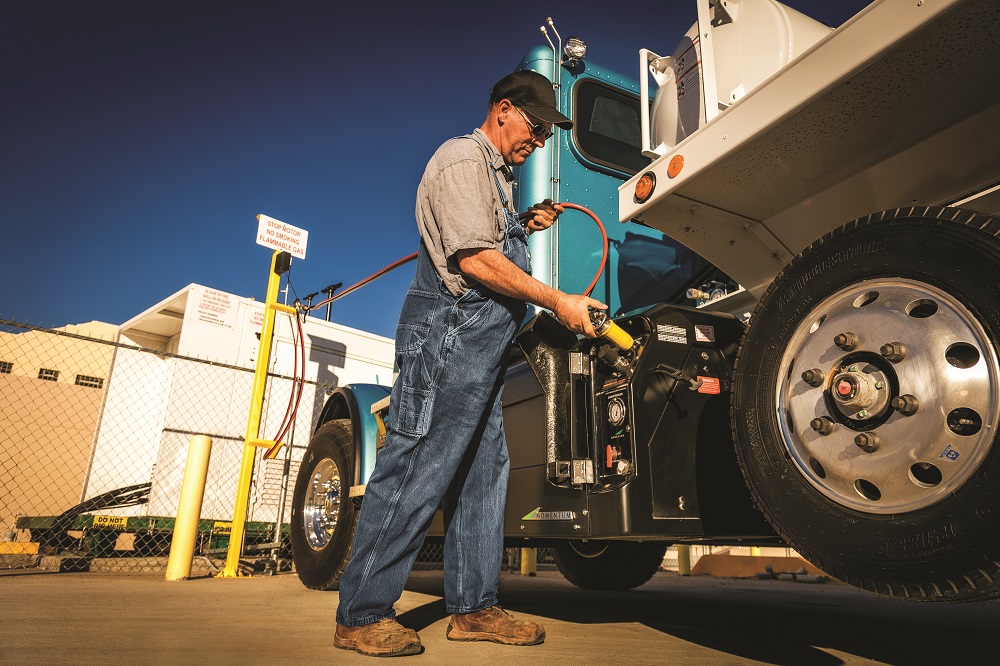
pixel 321 507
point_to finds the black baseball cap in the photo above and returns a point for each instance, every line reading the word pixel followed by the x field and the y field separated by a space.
pixel 532 92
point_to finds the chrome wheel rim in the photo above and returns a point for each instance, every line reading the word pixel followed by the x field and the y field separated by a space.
pixel 909 457
pixel 321 507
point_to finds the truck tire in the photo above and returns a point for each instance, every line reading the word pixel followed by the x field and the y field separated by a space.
pixel 323 517
pixel 866 404
pixel 609 565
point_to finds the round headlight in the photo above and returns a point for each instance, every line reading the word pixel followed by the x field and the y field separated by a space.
pixel 575 48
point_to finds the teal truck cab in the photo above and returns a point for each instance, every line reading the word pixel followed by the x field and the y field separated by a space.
pixel 803 347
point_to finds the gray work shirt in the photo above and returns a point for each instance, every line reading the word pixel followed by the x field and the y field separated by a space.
pixel 458 206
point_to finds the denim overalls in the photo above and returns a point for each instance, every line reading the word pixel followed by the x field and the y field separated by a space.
pixel 445 445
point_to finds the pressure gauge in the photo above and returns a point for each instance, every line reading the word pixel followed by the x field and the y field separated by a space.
pixel 616 411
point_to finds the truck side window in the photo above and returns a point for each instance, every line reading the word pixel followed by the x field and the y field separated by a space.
pixel 607 128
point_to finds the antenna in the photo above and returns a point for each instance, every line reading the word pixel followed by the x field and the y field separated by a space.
pixel 549 39
pixel 553 26
pixel 557 85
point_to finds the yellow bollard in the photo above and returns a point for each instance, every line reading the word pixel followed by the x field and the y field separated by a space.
pixel 189 508
pixel 683 559
pixel 529 561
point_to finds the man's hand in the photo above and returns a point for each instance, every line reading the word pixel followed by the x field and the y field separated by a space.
pixel 572 310
pixel 542 215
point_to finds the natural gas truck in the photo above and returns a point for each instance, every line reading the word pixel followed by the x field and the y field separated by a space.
pixel 802 273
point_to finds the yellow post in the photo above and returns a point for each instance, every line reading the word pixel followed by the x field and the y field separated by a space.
pixel 755 551
pixel 189 508
pixel 529 561
pixel 252 438
pixel 683 559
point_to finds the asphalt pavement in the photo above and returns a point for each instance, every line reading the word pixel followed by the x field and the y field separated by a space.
pixel 113 618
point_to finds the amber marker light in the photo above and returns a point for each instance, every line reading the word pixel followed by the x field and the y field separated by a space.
pixel 644 187
pixel 675 166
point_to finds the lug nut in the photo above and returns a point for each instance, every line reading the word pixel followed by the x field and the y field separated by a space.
pixel 906 405
pixel 822 425
pixel 893 351
pixel 813 377
pixel 868 441
pixel 846 341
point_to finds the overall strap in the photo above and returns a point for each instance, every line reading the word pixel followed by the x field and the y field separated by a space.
pixel 496 181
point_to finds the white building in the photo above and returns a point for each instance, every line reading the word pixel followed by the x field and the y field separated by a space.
pixel 156 402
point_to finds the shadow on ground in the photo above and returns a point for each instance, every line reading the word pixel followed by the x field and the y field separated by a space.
pixel 771 622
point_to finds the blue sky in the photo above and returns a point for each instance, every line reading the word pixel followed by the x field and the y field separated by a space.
pixel 141 138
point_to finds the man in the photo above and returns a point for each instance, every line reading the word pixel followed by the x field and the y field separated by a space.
pixel 445 443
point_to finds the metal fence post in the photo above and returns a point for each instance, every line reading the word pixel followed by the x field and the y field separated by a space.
pixel 189 508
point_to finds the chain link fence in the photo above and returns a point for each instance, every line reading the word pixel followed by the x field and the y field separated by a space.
pixel 95 435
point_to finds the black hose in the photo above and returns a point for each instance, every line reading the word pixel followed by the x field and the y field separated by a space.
pixel 57 535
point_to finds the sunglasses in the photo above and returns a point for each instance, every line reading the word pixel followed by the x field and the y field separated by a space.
pixel 537 131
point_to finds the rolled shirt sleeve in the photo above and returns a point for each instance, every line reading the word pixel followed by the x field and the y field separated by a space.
pixel 464 207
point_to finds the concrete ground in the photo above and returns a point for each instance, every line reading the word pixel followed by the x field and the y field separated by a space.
pixel 112 618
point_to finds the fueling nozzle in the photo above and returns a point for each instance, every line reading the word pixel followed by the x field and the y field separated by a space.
pixel 610 331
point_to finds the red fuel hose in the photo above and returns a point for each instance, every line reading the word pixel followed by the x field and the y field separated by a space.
pixel 371 278
pixel 604 237
pixel 295 398
pixel 407 259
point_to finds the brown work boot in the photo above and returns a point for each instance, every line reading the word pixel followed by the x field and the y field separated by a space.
pixel 496 625
pixel 385 638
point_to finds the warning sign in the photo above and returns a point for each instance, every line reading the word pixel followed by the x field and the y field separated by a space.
pixel 671 333
pixel 214 307
pixel 704 333
pixel 257 320
pixel 278 235
pixel 710 385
